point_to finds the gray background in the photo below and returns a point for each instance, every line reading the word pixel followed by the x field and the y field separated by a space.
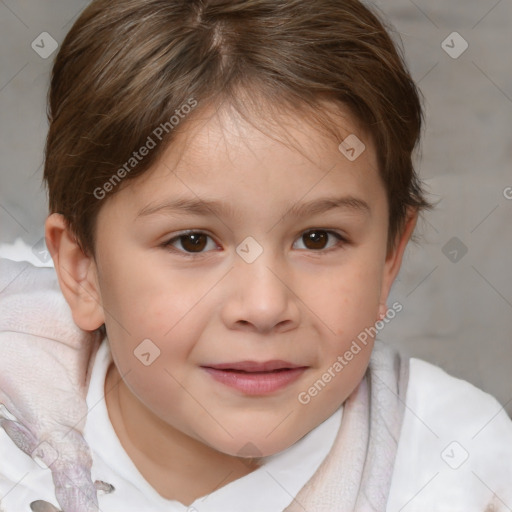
pixel 457 305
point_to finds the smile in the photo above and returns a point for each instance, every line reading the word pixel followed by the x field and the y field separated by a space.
pixel 254 378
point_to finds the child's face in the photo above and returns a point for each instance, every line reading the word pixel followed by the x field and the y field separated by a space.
pixel 302 300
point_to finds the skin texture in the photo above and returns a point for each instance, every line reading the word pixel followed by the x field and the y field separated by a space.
pixel 300 301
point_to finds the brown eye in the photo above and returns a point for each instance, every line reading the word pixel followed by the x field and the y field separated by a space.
pixel 317 239
pixel 192 243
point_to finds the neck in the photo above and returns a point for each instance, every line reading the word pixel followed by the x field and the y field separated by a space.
pixel 176 465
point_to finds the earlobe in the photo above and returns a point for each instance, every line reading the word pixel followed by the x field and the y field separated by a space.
pixel 394 257
pixel 76 272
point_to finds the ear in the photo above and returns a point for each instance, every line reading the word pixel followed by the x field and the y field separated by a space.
pixel 394 258
pixel 76 272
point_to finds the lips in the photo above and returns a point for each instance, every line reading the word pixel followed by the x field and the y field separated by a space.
pixel 255 366
pixel 256 378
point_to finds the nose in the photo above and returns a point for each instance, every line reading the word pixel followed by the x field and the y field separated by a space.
pixel 261 297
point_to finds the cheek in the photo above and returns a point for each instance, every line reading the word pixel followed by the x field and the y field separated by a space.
pixel 138 297
pixel 347 305
pixel 145 304
pixel 345 299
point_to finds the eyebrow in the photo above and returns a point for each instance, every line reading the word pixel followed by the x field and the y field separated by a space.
pixel 214 207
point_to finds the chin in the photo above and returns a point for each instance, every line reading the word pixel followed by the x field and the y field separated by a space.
pixel 258 445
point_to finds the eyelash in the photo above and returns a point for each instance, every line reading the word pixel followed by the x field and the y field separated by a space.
pixel 168 244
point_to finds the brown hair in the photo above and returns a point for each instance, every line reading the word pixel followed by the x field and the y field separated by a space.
pixel 127 67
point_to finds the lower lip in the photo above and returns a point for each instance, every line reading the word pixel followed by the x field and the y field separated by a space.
pixel 255 383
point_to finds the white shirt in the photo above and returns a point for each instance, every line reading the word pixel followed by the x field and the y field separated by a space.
pixel 455 448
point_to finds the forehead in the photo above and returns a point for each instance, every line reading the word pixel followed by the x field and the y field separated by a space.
pixel 263 159
pixel 228 130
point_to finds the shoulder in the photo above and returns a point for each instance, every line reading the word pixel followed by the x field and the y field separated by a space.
pixel 455 446
pixel 434 391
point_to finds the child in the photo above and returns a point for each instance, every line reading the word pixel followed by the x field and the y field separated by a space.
pixel 231 193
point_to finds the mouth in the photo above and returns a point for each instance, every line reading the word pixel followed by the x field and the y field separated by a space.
pixel 255 378
pixel 254 366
